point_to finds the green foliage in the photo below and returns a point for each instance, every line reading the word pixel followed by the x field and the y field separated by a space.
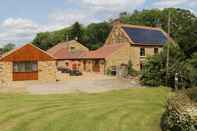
pixel 176 116
pixel 172 121
pixel 109 72
pixel 8 47
pixel 131 71
pixel 96 34
pixel 46 40
pixel 76 32
pixel 154 72
pixel 193 63
pixel 93 36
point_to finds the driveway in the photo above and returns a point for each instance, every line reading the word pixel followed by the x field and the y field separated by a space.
pixel 88 83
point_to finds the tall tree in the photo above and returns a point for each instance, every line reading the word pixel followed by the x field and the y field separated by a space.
pixel 76 32
pixel 96 34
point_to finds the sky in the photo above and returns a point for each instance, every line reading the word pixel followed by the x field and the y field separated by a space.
pixel 20 20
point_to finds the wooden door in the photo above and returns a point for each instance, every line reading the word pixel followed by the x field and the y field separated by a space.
pixel 96 66
pixel 84 65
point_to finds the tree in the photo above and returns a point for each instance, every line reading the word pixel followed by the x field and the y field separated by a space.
pixel 76 32
pixel 154 71
pixel 96 34
pixel 8 47
pixel 193 63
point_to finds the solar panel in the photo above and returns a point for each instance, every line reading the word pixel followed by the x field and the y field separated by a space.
pixel 145 36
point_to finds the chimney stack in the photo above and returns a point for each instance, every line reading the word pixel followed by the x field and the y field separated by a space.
pixel 117 22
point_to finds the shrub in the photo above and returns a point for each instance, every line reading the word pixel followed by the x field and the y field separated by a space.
pixel 176 117
pixel 154 72
pixel 172 121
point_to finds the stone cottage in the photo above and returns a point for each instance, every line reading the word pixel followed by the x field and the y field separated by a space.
pixel 144 41
pixel 27 63
pixel 67 53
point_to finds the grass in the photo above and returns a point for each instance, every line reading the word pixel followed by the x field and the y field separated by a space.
pixel 126 110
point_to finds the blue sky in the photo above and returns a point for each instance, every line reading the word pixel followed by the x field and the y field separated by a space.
pixel 20 20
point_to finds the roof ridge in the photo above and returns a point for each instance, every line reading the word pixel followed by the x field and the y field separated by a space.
pixel 141 26
pixel 14 50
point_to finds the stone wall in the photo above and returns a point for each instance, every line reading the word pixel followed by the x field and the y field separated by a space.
pixel 117 36
pixel 5 74
pixel 129 52
pixel 137 59
pixel 121 56
pixel 47 71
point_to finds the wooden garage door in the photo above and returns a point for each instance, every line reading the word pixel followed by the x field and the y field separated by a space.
pixel 22 76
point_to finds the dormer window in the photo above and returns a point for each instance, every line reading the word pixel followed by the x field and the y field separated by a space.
pixel 72 49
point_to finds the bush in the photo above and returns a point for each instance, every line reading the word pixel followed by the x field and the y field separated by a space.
pixel 176 118
pixel 172 121
pixel 155 72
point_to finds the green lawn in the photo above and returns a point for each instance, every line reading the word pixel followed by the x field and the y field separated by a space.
pixel 126 110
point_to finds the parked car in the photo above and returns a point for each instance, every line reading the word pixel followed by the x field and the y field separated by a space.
pixel 64 70
pixel 75 73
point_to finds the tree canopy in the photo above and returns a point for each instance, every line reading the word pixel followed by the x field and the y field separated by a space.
pixel 8 47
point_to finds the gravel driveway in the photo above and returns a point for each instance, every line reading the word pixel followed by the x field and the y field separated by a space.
pixel 83 84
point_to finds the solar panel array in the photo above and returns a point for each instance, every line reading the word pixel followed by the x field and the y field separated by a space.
pixel 146 36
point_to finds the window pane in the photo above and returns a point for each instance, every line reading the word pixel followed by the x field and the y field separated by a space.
pixel 156 50
pixel 25 66
pixel 142 51
pixel 34 66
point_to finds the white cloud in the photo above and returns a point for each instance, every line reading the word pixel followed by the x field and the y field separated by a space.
pixel 173 3
pixel 19 23
pixel 66 18
pixel 114 4
pixel 19 29
pixel 84 11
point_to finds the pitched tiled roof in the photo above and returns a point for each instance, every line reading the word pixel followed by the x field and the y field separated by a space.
pixel 63 54
pixel 61 45
pixel 104 51
pixel 100 53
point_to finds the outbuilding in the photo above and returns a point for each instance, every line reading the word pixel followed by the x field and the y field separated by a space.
pixel 27 63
